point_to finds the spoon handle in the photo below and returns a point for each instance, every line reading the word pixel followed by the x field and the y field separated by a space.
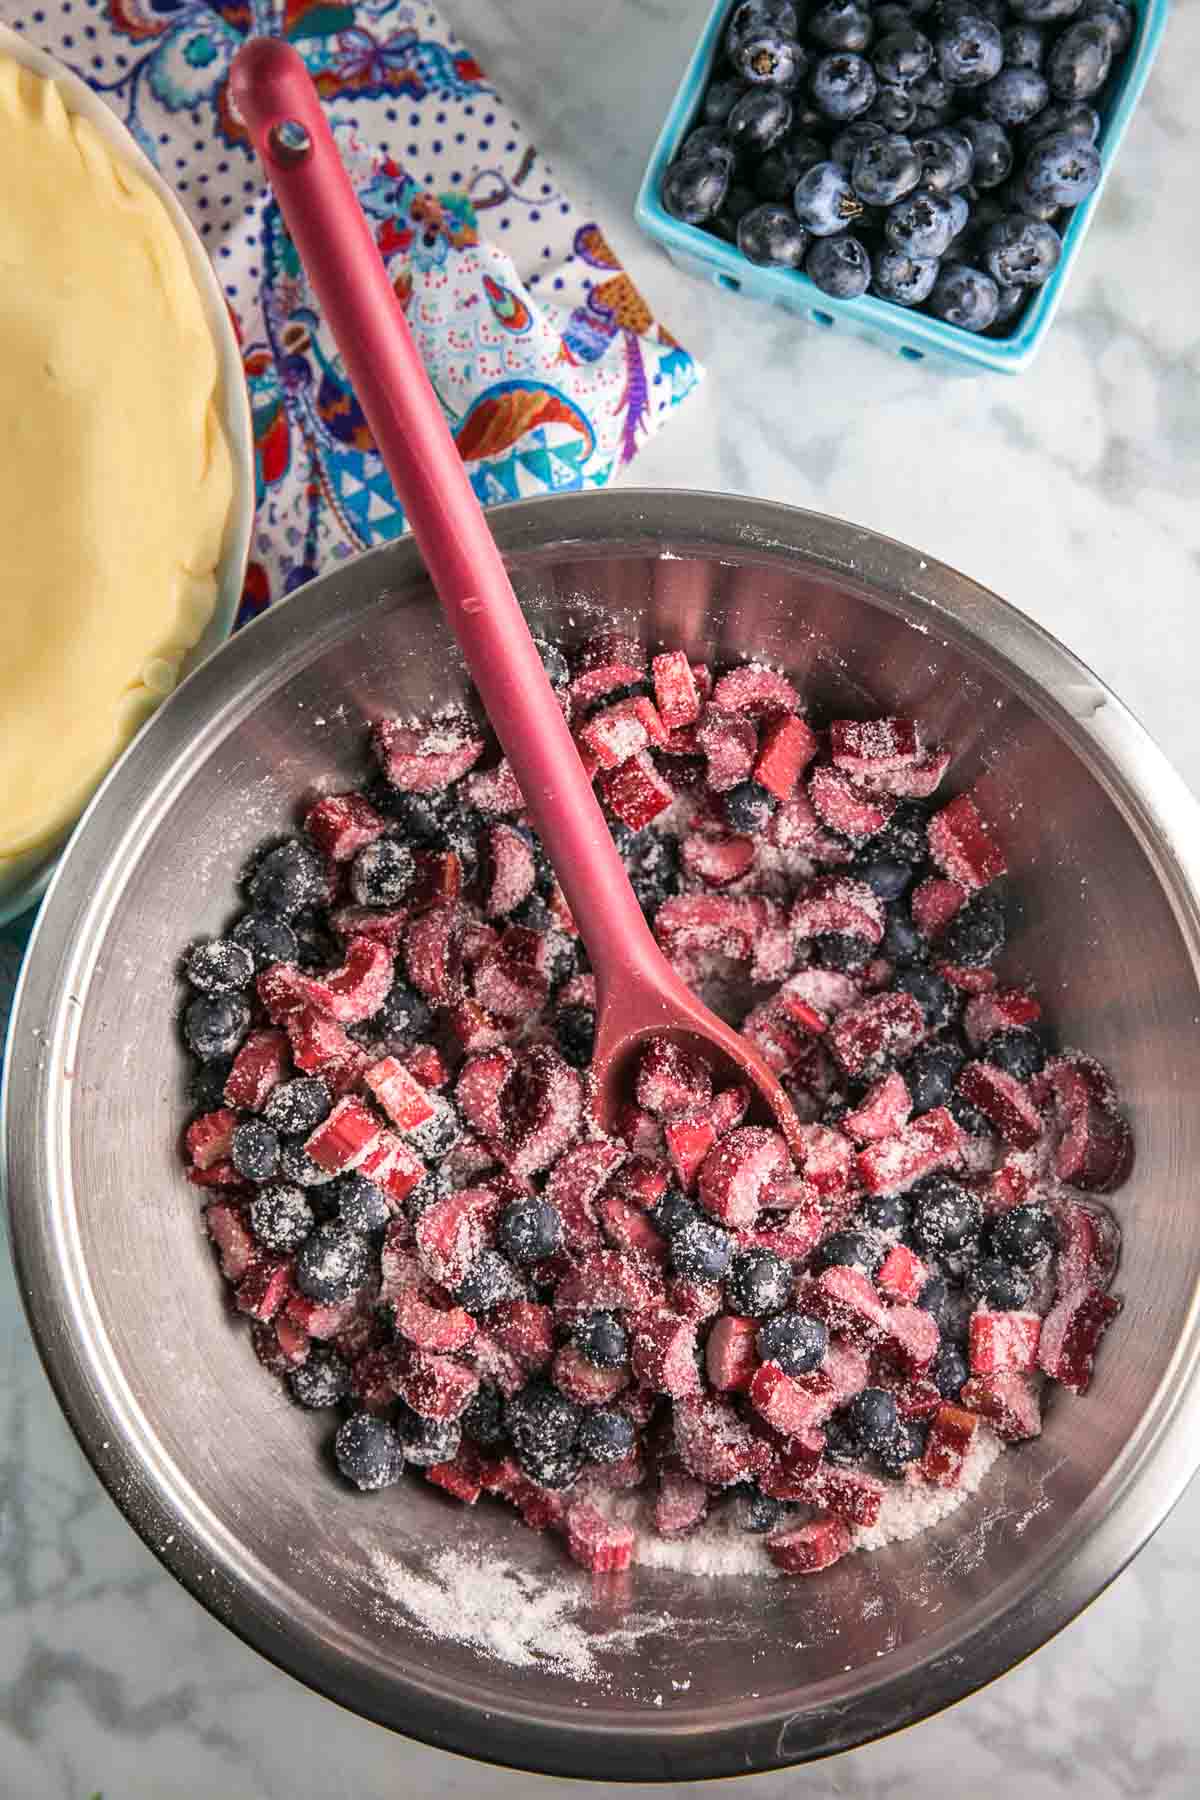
pixel 281 108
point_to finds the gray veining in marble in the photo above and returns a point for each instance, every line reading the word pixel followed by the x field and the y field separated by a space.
pixel 1072 492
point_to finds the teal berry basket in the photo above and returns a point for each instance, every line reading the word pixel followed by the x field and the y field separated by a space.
pixel 914 335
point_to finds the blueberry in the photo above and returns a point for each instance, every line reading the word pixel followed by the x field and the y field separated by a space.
pixel 757 1282
pixel 841 25
pixel 965 297
pixel 843 85
pixel 885 170
pixel 215 1026
pixel 840 950
pixel 947 158
pixel 906 1446
pixel 976 934
pixel 998 1285
pixel 884 875
pixel 905 280
pixel 529 1230
pixel 606 1435
pixel 758 1512
pixel 255 1150
pixel 905 836
pixel 206 1083
pixel 672 1210
pixel 316 946
pixel 700 1250
pixel 849 1250
pixel 280 1217
pixel 1021 1236
pixel 893 17
pixel 427 1441
pixel 694 190
pixel 931 1073
pixel 719 101
pixel 753 16
pixel 951 11
pixel 934 101
pixel 1077 66
pixel 1043 12
pixel 362 1207
pixel 601 1339
pixel 903 56
pixel 934 1299
pixel 794 1340
pixel 1115 18
pixel 969 51
pixel 287 879
pixel 902 942
pixel 960 208
pixel 771 236
pixel 402 1019
pixel 575 1028
pixel 949 1371
pixel 1014 96
pixel 296 1107
pixel 1024 47
pixel 266 938
pixel 782 167
pixel 842 1448
pixel 849 142
pixel 543 1425
pixel 297 1166
pixel 653 866
pixel 1061 170
pixel 885 1212
pixel 922 224
pixel 993 151
pixel 872 1418
pixel 1019 1053
pixel 824 201
pixel 839 266
pixel 221 966
pixel 332 1264
pixel 490 1279
pixel 767 59
pixel 946 1215
pixel 1012 299
pixel 323 1379
pixel 707 141
pixel 759 121
pixel 1075 117
pixel 748 806
pixel 483 1420
pixel 894 108
pixel 933 994
pixel 1015 198
pixel 368 1452
pixel 967 1116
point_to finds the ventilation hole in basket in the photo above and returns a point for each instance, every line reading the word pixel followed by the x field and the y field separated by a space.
pixel 821 318
pixel 912 355
pixel 728 281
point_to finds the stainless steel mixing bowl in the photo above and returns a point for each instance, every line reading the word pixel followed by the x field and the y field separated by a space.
pixel 223 1478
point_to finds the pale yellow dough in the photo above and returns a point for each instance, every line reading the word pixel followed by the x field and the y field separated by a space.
pixel 115 475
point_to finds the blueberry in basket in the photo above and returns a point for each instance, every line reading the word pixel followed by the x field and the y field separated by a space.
pixel 889 130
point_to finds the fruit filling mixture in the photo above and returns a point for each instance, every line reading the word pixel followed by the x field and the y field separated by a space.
pixel 620 1335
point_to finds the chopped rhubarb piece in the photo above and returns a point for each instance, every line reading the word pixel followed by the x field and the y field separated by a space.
pixel 526 1330
pixel 282 990
pixel 884 1027
pixel 582 1381
pixel 494 792
pixel 438 876
pixel 209 1139
pixel 543 1111
pixel 826 1160
pixel 458 1477
pixel 710 923
pixel 399 1268
pixel 951 1434
pixel 639 1131
pixel 967 980
pixel 785 751
pixel 844 806
pixel 1095 1145
pixel 883 1110
pixel 675 689
pixel 426 759
pixel 845 1301
pixel 689 1140
pixel 1009 1403
pixel 1003 1343
pixel 342 824
pixel 838 903
pixel 817 995
pixel 492 1362
pixel 935 901
pixel 717 858
pixel 402 1098
pixel 480 1090
pixel 780 1040
pixel 509 871
pixel 680 1504
pixel 729 1108
pixel 603 662
pixel 607 1280
pixel 791 1404
pixel 1007 1009
pixel 925 1144
pixel 806 1549
pixel 664 1355
pixel 901 1275
pixel 392 1166
pixel 595 1542
pixel 433 954
pixel 848 1366
pixel 716 1445
pixel 356 990
pixel 573 1186
pixel 671 1078
pixel 1008 1185
pixel 345 1138
pixel 509 989
pixel 916 1398
pixel 1089 1245
pixel 292 1341
pixel 1004 1100
pixel 916 782
pixel 697 1300
pixel 226 1226
pixel 730 745
pixel 264 1287
pixel 737 1169
pixel 449 1236
pixel 321 1047
pixel 383 927
pixel 1071 1332
pixel 219 1175
pixel 424 1061
pixel 437 1387
pixel 874 746
pixel 615 733
pixel 636 792
pixel 373 1380
pixel 962 846
pixel 730 1357
pixel 792 1464
pixel 754 689
pixel 473 1027
pixel 258 1067
pixel 796 829
pixel 626 1227
pixel 846 1493
pixel 431 1327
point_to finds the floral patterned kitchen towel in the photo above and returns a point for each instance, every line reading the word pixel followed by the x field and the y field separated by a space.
pixel 546 359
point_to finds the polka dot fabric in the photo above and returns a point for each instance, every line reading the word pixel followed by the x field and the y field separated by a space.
pixel 547 360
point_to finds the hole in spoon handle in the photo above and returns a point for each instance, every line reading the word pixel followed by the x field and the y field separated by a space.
pixel 289 143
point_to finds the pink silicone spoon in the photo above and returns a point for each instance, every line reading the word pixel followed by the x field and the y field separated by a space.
pixel 638 995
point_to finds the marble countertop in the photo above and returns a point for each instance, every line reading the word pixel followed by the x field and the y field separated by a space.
pixel 1071 491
